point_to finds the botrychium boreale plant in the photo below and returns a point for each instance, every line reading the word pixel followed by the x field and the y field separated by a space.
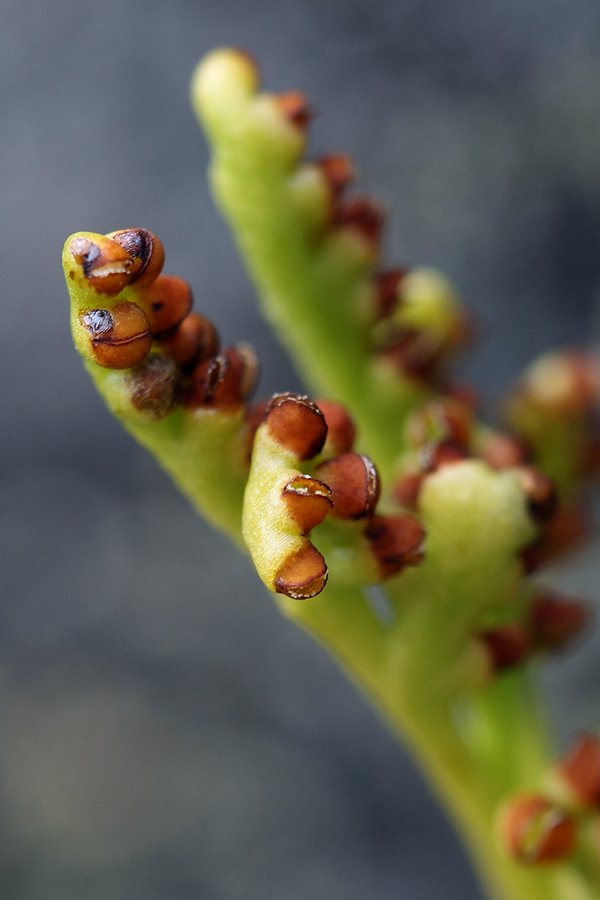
pixel 383 477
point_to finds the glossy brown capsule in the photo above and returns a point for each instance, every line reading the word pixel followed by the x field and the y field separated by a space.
pixel 307 501
pixel 446 419
pixel 224 381
pixel 214 383
pixel 194 340
pixel 167 301
pixel 555 621
pixel 441 453
pixel 297 424
pixel 396 542
pixel 537 831
pixel 387 291
pixel 407 489
pixel 362 215
pixel 303 575
pixel 354 485
pixel 581 769
pixel 567 529
pixel 145 249
pixel 507 645
pixel 338 171
pixel 341 430
pixel 295 108
pixel 414 354
pixel 105 265
pixel 120 337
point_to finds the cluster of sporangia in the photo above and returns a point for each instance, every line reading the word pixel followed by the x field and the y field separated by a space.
pixel 174 362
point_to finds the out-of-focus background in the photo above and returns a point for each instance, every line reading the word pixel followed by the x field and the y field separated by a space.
pixel 164 734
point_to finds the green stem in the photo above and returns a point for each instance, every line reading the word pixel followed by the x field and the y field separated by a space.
pixel 202 450
pixel 469 781
pixel 313 280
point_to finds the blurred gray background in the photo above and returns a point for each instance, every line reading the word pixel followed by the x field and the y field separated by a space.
pixel 164 734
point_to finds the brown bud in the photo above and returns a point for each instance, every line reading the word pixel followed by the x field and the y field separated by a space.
pixel 536 831
pixel 396 542
pixel 297 424
pixel 194 340
pixel 145 249
pixel 507 645
pixel 362 215
pixel 354 484
pixel 504 451
pixel 120 338
pixel 539 491
pixel 445 419
pixel 295 108
pixel 387 291
pixel 167 300
pixel 443 453
pixel 566 530
pixel 106 266
pixel 341 430
pixel 307 501
pixel 213 383
pixel 303 575
pixel 555 621
pixel 155 386
pixel 407 489
pixel 413 354
pixel 581 769
pixel 338 171
pixel 223 381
